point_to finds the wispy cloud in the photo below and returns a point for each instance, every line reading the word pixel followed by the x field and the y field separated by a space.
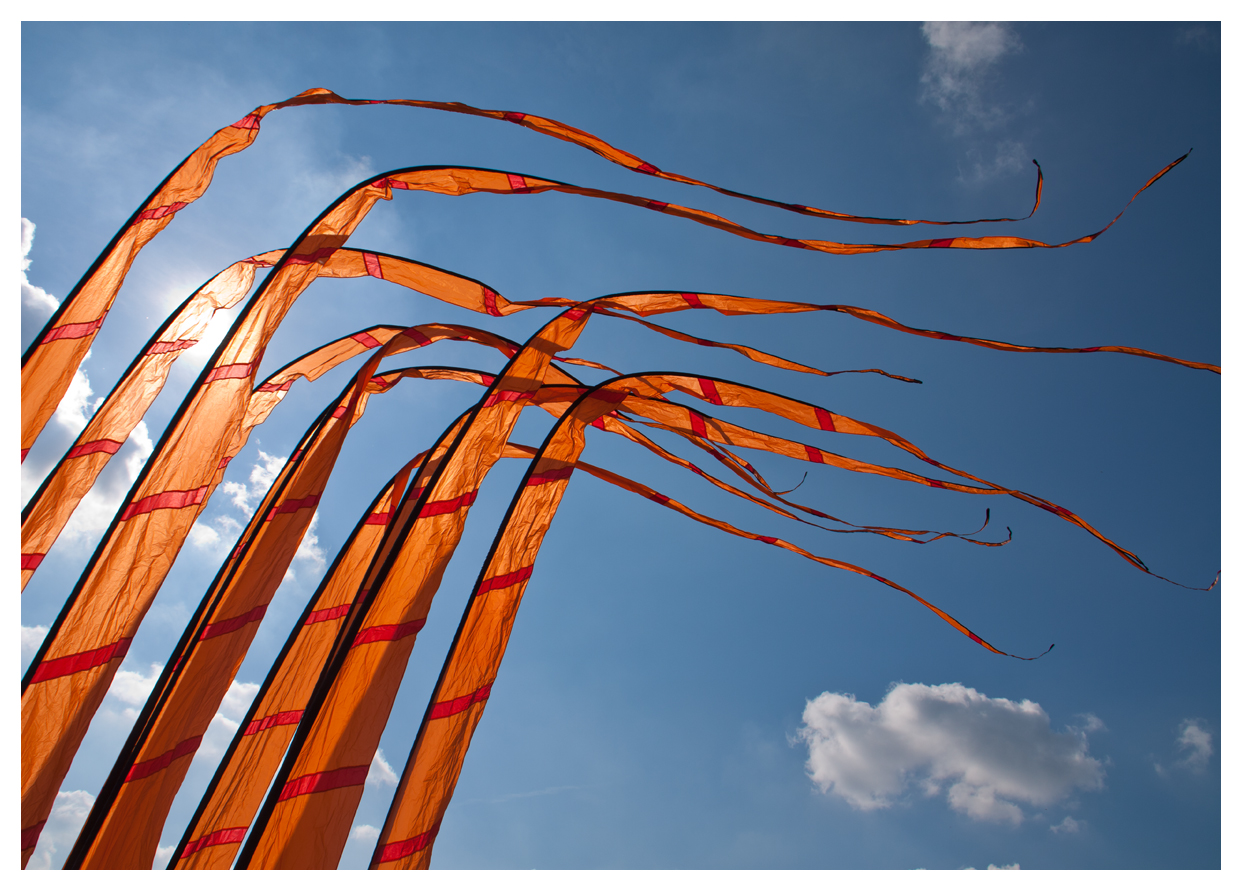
pixel 958 78
pixel 1196 743
pixel 61 830
pixel 986 755
pixel 32 638
pixel 381 772
pixel 1069 826
pixel 39 301
pixel 262 474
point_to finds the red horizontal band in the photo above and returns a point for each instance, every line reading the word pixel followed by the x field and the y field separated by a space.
pixel 516 182
pixel 460 704
pixel 174 499
pixel 249 122
pixel 366 339
pixel 658 498
pixel 293 505
pixel 449 505
pixel 224 462
pixel 32 561
pixel 693 300
pixel 514 116
pixel 656 205
pixel 373 265
pixel 697 425
pixel 74 330
pixel 496 582
pixel 328 614
pixel 489 302
pixel 144 769
pixel 377 519
pixel 548 476
pixel 111 446
pixel 941 242
pixel 158 213
pixel 30 835
pixel 65 665
pixel 813 454
pixel 825 420
pixel 507 396
pixel 314 256
pixel 766 538
pixel 417 336
pixel 170 346
pixel 228 626
pixel 397 850
pixel 231 372
pixel 378 633
pixel 647 168
pixel 325 781
pixel 575 314
pixel 25 452
pixel 709 391
pixel 232 836
pixel 275 388
pixel 279 719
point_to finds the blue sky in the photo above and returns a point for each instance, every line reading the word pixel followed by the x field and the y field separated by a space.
pixel 673 697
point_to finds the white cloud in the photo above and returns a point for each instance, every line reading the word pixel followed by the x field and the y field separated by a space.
pixel 203 536
pixel 32 638
pixel 262 475
pixel 76 407
pixel 227 718
pixel 381 772
pixel 161 856
pixel 1196 743
pixel 140 439
pixel 61 830
pixel 39 300
pixel 309 551
pixel 1069 825
pixel 364 832
pixel 991 754
pixel 133 687
pixel 962 53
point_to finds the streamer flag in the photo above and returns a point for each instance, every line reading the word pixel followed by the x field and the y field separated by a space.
pixel 286 791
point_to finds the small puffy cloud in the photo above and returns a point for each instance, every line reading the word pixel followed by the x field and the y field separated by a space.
pixel 987 755
pixel 203 536
pixel 132 688
pixel 262 474
pixel 309 551
pixel 381 772
pixel 1196 743
pixel 364 832
pixel 1069 825
pixel 227 718
pixel 161 856
pixel 140 439
pixel 962 53
pixel 40 301
pixel 32 639
pixel 994 866
pixel 76 407
pixel 61 830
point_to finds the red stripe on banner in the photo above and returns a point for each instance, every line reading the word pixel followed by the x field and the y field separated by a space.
pixel 306 259
pixel 323 782
pixel 449 505
pixel 514 116
pixel 366 340
pixel 935 484
pixel 814 454
pixel 373 265
pixel 340 410
pixel 293 505
pixel 693 300
pixel 658 498
pixel 549 476
pixel 489 302
pixel 766 538
pixel 496 582
pixel 507 396
pixel 417 336
pixel 111 446
pixel 74 330
pixel 377 633
pixel 378 518
pixel 656 205
pixel 709 391
pixel 328 614
pixel 25 452
pixel 275 388
pixel 30 835
pixel 790 242
pixel 255 261
pixel 460 704
pixel 231 372
pixel 697 426
pixel 280 719
pixel 941 243
pixel 224 462
pixel 144 769
pixel 158 213
pixel 228 626
pixel 397 850
pixel 647 168
pixel 825 420
pixel 614 396
pixel 575 314
pixel 32 561
pixel 249 122
pixel 974 637
pixel 517 183
pixel 599 422
pixel 170 346
pixel 233 836
pixel 174 499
